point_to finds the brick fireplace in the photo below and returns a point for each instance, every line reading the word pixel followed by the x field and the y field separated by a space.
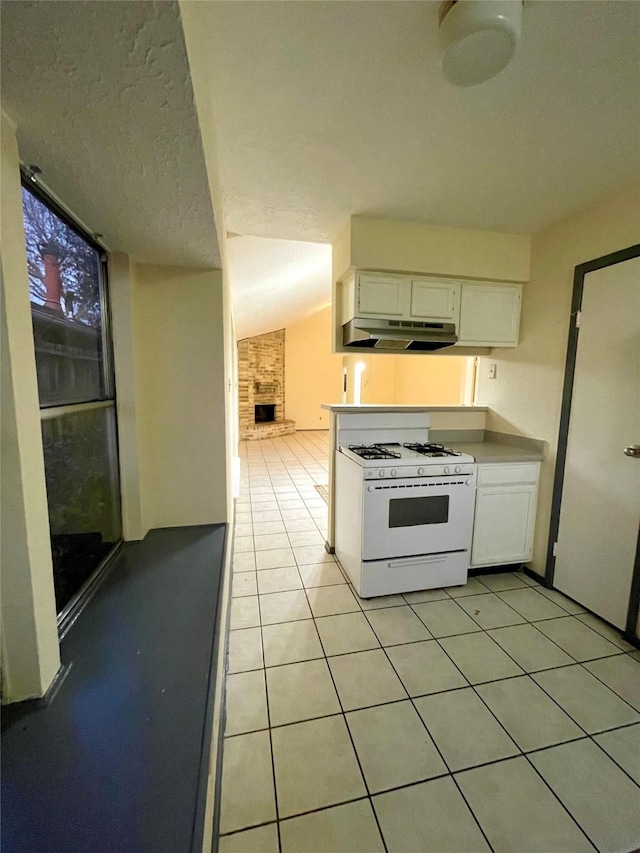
pixel 261 387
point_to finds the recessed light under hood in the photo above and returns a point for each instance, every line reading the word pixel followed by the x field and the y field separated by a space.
pixel 397 335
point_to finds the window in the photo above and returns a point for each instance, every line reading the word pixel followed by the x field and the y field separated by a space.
pixel 68 292
pixel 65 287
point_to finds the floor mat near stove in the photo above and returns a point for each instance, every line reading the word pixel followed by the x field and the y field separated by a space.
pixel 323 491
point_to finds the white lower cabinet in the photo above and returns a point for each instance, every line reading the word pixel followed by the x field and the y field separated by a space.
pixel 505 514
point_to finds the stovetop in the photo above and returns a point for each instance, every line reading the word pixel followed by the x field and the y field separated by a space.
pixel 395 450
pixel 375 451
pixel 418 453
pixel 430 449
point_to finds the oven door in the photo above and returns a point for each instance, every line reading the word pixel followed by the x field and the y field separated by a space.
pixel 409 517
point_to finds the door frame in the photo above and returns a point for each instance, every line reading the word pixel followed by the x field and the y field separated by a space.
pixel 580 272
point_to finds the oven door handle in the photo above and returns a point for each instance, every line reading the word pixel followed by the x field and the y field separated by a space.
pixel 418 561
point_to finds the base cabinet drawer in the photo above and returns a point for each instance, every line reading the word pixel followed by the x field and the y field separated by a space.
pixel 504 474
pixel 504 524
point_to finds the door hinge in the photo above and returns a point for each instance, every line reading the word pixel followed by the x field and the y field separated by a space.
pixel 578 315
pixel 555 549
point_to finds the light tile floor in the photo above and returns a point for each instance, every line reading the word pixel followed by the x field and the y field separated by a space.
pixel 496 716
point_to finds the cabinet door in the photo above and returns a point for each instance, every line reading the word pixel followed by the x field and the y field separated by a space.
pixel 503 525
pixel 489 314
pixel 435 300
pixel 383 295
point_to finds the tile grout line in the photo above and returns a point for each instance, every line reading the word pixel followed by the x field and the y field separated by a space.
pixel 346 723
pixel 574 662
pixel 553 793
pixel 431 738
pixel 520 751
pixel 273 765
pixel 473 687
pixel 275 785
pixel 527 674
pixel 445 775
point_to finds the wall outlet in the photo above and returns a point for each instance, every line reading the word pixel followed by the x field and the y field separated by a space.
pixel 492 370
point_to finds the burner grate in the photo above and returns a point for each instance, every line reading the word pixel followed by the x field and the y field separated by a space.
pixel 432 449
pixel 374 451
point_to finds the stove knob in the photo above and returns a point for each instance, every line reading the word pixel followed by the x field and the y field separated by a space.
pixel 370 488
pixel 447 470
pixel 468 482
pixel 394 472
pixel 458 469
pixel 421 471
pixel 381 472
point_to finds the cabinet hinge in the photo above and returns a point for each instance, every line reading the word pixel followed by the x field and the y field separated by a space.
pixel 555 549
pixel 578 315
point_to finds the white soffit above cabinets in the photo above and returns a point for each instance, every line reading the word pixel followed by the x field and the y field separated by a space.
pixel 102 97
pixel 327 109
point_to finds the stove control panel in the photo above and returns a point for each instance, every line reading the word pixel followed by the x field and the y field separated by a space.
pixel 407 471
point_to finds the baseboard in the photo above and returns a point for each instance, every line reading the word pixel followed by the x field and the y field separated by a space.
pixel 215 699
pixel 494 570
pixel 74 608
pixel 17 710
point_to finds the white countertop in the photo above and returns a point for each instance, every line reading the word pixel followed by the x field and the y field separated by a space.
pixel 496 452
pixel 342 408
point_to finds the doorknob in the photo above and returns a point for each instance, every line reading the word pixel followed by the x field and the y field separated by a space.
pixel 633 450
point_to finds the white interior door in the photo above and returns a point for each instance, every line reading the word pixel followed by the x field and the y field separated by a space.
pixel 600 509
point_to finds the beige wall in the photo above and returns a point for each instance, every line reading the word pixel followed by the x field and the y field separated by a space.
pixel 169 349
pixel 437 380
pixel 313 375
pixel 195 26
pixel 527 392
pixel 429 380
pixel 230 389
pixel 30 654
pixel 135 525
pixel 378 379
pixel 177 388
pixel 383 244
pixel 414 247
pixel 178 352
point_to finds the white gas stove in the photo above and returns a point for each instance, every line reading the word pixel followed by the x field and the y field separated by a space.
pixel 403 506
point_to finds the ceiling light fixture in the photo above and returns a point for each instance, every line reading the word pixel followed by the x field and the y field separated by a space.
pixel 477 38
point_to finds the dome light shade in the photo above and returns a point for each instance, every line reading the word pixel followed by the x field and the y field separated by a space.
pixel 477 38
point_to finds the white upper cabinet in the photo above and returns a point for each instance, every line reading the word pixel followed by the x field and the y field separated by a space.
pixel 382 295
pixel 489 314
pixel 435 300
pixel 486 314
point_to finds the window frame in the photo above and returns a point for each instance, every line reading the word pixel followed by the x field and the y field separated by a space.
pixel 54 411
pixel 108 367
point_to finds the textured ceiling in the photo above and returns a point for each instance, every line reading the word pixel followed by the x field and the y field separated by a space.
pixel 275 282
pixel 326 109
pixel 102 97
